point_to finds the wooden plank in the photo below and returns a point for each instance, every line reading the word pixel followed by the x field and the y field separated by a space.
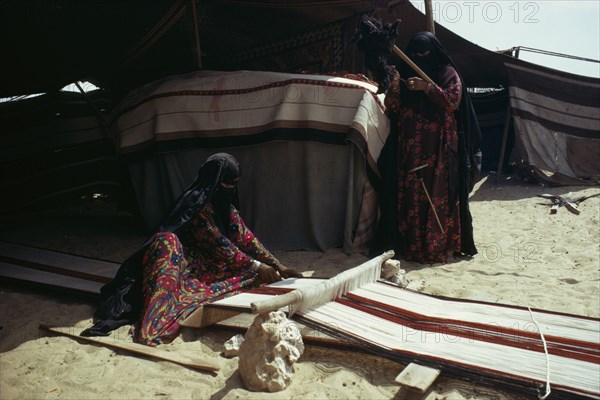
pixel 181 359
pixel 241 323
pixel 48 279
pixel 417 378
pixel 57 262
pixel 206 315
pixel 220 310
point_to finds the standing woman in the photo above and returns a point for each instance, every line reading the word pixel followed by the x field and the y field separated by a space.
pixel 202 252
pixel 430 162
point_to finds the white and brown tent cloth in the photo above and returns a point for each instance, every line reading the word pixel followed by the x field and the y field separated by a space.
pixel 304 143
pixel 556 117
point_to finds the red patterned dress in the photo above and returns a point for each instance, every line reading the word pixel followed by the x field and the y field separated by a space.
pixel 197 266
pixel 427 135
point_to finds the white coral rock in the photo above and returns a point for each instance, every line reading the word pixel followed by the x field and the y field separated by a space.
pixel 267 355
pixel 231 347
pixel 390 268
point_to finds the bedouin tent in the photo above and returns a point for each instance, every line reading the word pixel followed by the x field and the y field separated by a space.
pixel 59 147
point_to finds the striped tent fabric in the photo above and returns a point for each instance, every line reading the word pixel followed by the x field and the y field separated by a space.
pixel 491 108
pixel 55 150
pixel 304 143
pixel 367 219
pixel 557 125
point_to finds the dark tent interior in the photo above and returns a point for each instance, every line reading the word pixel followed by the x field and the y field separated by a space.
pixel 119 45
pixel 122 45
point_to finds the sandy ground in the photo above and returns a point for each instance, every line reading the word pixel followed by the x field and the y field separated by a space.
pixel 528 257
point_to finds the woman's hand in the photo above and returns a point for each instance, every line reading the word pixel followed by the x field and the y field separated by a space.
pixel 395 81
pixel 416 84
pixel 267 274
pixel 286 272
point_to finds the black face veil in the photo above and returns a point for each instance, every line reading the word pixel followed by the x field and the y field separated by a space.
pixel 218 168
pixel 428 53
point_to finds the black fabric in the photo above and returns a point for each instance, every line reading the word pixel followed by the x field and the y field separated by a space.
pixel 376 40
pixel 222 200
pixel 121 299
pixel 220 167
pixel 469 158
pixel 386 233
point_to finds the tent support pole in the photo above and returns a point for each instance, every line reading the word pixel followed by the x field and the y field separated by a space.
pixel 429 16
pixel 99 116
pixel 197 51
pixel 507 116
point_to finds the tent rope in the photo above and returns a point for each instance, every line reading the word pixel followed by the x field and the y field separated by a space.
pixel 547 357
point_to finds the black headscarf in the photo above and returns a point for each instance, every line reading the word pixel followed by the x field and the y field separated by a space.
pixel 121 299
pixel 420 44
pixel 469 163
pixel 218 168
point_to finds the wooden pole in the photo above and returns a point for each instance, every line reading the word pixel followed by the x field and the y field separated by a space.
pixel 429 16
pixel 99 115
pixel 153 352
pixel 504 140
pixel 197 50
pixel 411 64
pixel 416 171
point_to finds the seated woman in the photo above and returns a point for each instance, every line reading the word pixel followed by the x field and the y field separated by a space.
pixel 203 252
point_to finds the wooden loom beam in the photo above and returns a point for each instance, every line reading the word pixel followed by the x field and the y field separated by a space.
pixel 325 290
pixel 140 349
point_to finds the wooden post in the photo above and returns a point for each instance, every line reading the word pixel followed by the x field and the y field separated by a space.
pixel 99 116
pixel 429 16
pixel 197 50
pixel 504 139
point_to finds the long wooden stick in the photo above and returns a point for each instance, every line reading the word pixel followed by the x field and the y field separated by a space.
pixel 416 172
pixel 187 361
pixel 432 206
pixel 411 64
pixel 196 36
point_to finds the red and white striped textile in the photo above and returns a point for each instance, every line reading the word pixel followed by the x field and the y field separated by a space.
pixel 497 344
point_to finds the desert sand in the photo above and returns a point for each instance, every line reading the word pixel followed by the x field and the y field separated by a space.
pixel 527 257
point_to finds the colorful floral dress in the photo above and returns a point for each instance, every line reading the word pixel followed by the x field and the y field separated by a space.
pixel 427 135
pixel 195 267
